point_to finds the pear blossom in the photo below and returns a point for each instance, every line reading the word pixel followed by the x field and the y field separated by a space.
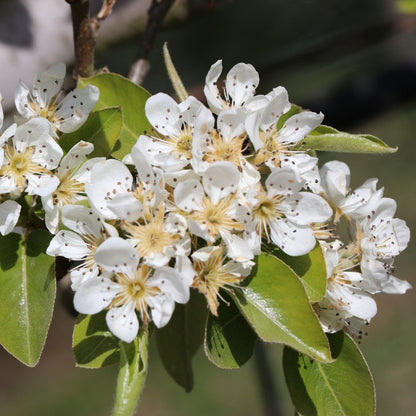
pixel 127 286
pixel 240 85
pixel 72 172
pixel 275 146
pixel 171 147
pixel 226 143
pixel 346 296
pixel 65 114
pixel 213 272
pixel 28 159
pixel 335 182
pixel 86 231
pixel 212 207
pixel 284 213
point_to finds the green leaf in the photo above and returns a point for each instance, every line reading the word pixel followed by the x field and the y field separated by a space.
pixel 344 387
pixel 132 374
pixel 94 345
pixel 102 129
pixel 27 293
pixel 311 268
pixel 117 91
pixel 407 6
pixel 181 338
pixel 275 303
pixel 229 339
pixel 331 140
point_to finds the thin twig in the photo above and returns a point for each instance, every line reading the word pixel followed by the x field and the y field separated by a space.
pixel 157 12
pixel 104 12
pixel 84 38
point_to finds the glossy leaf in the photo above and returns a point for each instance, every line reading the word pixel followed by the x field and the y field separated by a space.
pixel 117 91
pixel 132 374
pixel 276 305
pixel 229 339
pixel 102 129
pixel 344 387
pixel 94 345
pixel 180 339
pixel 311 268
pixel 27 290
pixel 331 140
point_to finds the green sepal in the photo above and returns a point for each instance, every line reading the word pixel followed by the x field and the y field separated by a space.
pixel 117 91
pixel 331 140
pixel 274 302
pixel 344 387
pixel 27 292
pixel 311 268
pixel 102 129
pixel 229 339
pixel 93 343
pixel 180 339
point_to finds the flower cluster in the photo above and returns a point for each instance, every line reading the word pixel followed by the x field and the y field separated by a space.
pixel 30 156
pixel 195 201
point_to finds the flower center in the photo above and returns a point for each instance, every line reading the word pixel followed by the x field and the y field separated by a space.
pixel 220 149
pixel 67 190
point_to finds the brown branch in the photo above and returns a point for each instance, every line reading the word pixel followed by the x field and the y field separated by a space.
pixel 104 12
pixel 84 38
pixel 157 12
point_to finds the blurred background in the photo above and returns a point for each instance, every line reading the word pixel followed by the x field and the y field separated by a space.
pixel 355 61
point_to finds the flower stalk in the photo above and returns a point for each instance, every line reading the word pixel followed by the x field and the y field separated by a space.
pixel 132 374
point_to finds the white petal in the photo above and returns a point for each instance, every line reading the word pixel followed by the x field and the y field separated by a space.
pixel 293 239
pixel 237 248
pixel 282 182
pixel 126 207
pixel 48 83
pixel 41 185
pixel 9 215
pixel 123 322
pixel 306 208
pixel 95 295
pixel 220 180
pixel 188 195
pixel 396 286
pixel 169 281
pixel 81 220
pixel 190 109
pixel 297 127
pixel 231 123
pixel 75 108
pixel 162 307
pixel 75 157
pixel 117 255
pixel 21 101
pixel 185 269
pixel 68 244
pixel 241 83
pixel 278 105
pixel 211 90
pixel 163 113
pixel 335 179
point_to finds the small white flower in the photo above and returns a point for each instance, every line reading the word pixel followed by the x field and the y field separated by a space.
pixel 171 150
pixel 28 158
pixel 284 214
pixel 213 272
pixel 67 114
pixel 128 286
pixel 72 172
pixel 86 232
pixel 275 146
pixel 346 296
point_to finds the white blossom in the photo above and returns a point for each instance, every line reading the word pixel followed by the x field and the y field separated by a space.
pixel 65 114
